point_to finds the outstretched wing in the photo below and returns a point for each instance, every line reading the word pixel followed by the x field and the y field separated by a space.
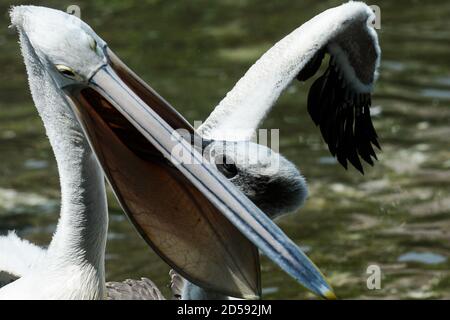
pixel 17 257
pixel 338 101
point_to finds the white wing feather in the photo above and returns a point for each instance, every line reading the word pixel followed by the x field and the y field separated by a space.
pixel 17 256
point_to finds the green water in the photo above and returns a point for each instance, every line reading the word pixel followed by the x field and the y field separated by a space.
pixel 396 216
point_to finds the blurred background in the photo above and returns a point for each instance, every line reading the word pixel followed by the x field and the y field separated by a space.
pixel 396 216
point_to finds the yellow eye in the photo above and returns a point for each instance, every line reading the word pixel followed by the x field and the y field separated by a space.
pixel 93 44
pixel 66 71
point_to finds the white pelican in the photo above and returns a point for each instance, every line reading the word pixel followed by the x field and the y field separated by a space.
pixel 338 103
pixel 99 115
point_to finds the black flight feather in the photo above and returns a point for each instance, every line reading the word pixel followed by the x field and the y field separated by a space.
pixel 341 113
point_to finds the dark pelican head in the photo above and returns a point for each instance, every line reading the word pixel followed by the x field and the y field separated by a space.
pixel 271 181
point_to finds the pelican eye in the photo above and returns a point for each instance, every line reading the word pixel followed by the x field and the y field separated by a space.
pixel 226 167
pixel 93 44
pixel 66 71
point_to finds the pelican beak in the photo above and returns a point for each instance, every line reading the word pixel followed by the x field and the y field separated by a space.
pixel 189 213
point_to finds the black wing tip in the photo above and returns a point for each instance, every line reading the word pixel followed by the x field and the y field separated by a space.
pixel 361 170
pixel 343 116
pixel 377 144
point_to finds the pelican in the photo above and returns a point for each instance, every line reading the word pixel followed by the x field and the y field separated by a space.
pixel 103 120
pixel 338 103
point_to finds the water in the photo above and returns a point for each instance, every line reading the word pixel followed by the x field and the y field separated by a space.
pixel 422 257
pixel 396 216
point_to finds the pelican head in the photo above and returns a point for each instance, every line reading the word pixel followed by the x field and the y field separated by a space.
pixel 271 181
pixel 189 213
pixel 65 46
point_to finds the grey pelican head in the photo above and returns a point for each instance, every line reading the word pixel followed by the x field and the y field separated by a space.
pixel 271 181
pixel 189 213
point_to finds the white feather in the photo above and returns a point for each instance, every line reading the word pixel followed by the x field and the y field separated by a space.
pixel 18 256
